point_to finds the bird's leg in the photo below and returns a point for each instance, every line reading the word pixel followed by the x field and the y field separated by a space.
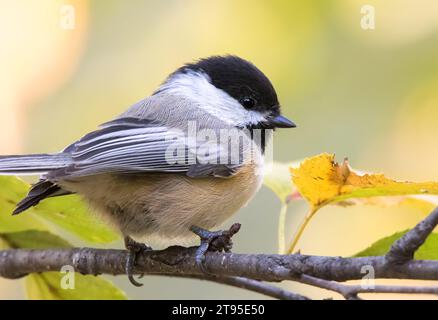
pixel 134 249
pixel 213 241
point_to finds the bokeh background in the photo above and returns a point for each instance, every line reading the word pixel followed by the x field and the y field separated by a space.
pixel 370 95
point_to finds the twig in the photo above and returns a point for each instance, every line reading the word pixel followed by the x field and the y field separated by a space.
pixel 252 285
pixel 404 248
pixel 301 229
pixel 350 292
pixel 281 229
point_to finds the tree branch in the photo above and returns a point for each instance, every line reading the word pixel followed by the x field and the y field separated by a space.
pixel 350 292
pixel 252 285
pixel 403 249
pixel 180 261
pixel 238 269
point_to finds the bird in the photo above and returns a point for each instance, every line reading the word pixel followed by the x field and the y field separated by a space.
pixel 164 167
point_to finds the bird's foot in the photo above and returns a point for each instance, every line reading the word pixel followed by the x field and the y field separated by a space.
pixel 216 241
pixel 134 249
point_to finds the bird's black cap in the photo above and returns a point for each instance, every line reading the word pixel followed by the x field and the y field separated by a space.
pixel 240 79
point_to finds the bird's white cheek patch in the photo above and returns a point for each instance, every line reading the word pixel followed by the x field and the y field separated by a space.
pixel 198 88
pixel 254 117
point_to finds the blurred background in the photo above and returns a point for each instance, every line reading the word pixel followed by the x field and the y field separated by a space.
pixel 369 95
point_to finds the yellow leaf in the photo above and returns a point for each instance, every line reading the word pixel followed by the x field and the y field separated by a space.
pixel 322 181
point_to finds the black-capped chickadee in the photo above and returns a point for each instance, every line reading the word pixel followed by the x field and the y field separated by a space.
pixel 166 166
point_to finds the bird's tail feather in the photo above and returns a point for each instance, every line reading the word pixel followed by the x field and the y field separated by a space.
pixel 39 191
pixel 33 163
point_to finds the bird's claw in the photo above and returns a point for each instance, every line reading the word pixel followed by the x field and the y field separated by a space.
pixel 134 248
pixel 216 241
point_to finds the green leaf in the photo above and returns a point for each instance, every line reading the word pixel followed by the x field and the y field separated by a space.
pixel 47 286
pixel 37 289
pixel 67 212
pixel 72 214
pixel 277 178
pixel 428 251
pixel 13 190
pixel 33 239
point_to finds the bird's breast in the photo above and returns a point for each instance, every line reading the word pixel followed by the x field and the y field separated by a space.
pixel 166 205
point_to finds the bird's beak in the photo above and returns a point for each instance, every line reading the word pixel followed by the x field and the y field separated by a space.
pixel 281 122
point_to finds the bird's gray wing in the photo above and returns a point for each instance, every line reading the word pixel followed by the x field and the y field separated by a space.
pixel 132 145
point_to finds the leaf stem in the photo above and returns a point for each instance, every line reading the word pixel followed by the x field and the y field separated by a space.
pixel 301 229
pixel 281 229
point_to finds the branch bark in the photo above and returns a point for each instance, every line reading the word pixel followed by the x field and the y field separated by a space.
pixel 252 285
pixel 179 261
pixel 403 249
pixel 232 268
pixel 350 292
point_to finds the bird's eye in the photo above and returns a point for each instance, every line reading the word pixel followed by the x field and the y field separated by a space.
pixel 248 103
